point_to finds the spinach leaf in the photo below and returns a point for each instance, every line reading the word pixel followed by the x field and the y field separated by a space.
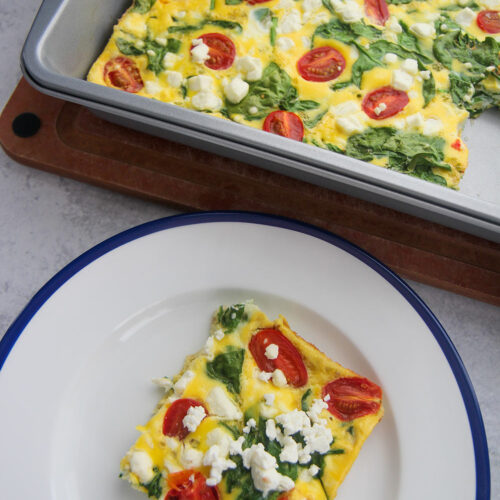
pixel 230 25
pixel 232 429
pixel 128 48
pixel 212 4
pixel 226 367
pixel 347 33
pixel 453 7
pixel 334 148
pixel 262 14
pixel 409 152
pixel 154 51
pixel 272 31
pixel 312 122
pixel 233 2
pixel 154 486
pixel 184 91
pixel 328 6
pixel 464 48
pixel 428 90
pixel 304 403
pixel 273 91
pixel 230 317
pixel 467 92
pixel 398 2
pixel 142 6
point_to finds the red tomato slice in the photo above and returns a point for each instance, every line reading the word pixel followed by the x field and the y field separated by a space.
pixel 172 423
pixel 122 73
pixel 190 485
pixel 321 64
pixel 221 50
pixel 284 123
pixel 457 145
pixel 489 21
pixel 253 2
pixel 352 397
pixel 384 102
pixel 289 360
pixel 377 11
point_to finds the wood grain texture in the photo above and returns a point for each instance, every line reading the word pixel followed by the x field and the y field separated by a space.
pixel 75 143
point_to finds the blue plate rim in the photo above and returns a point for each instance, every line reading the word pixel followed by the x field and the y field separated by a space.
pixel 476 423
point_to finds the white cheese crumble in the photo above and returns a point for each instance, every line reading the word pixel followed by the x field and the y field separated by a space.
pixel 207 101
pixel 251 423
pixel 253 110
pixel 290 451
pixel 349 11
pixel 293 421
pixel 220 405
pixel 269 399
pixel 313 470
pixel 311 5
pixel 215 457
pixel 199 52
pixel 142 466
pixel 200 83
pixel 171 443
pixel 465 17
pixel 182 383
pixel 390 58
pixel 432 126
pixel 219 334
pixel 290 22
pixel 265 376
pixel 381 107
pixel 279 379
pixel 169 60
pixel 425 74
pixel 163 382
pixel 284 43
pixel 152 88
pixel 272 351
pixel 193 418
pixel 350 124
pixel 251 67
pixel 263 470
pixel 317 406
pixel 209 348
pixel 327 397
pixel 401 80
pixel 174 78
pixel 306 42
pixel 190 457
pixel 271 429
pixel 236 90
pixel 180 15
pixel 414 122
pixel 345 108
pixel 423 30
pixel 410 66
pixel 392 24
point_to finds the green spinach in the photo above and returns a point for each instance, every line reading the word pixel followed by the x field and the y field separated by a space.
pixel 409 152
pixel 184 28
pixel 142 6
pixel 272 31
pixel 273 91
pixel 226 367
pixel 347 33
pixel 304 403
pixel 467 92
pixel 154 51
pixel 154 487
pixel 230 317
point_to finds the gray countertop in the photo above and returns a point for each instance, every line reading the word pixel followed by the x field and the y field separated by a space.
pixel 46 221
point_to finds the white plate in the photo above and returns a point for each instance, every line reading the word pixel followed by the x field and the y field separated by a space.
pixel 78 361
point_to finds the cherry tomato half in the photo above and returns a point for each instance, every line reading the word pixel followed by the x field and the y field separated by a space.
pixel 284 123
pixel 289 360
pixel 221 50
pixel 253 2
pixel 457 145
pixel 190 485
pixel 321 64
pixel 172 423
pixel 377 11
pixel 384 102
pixel 489 21
pixel 122 73
pixel 352 397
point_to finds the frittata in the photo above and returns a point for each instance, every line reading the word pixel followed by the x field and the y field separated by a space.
pixel 258 413
pixel 390 82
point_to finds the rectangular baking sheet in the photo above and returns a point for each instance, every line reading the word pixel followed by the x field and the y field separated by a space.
pixel 68 35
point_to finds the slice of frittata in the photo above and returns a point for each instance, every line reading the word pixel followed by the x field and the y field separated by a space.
pixel 257 413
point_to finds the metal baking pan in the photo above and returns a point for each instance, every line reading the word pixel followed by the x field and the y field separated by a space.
pixel 68 35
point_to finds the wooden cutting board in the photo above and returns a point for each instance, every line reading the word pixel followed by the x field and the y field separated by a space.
pixel 69 140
